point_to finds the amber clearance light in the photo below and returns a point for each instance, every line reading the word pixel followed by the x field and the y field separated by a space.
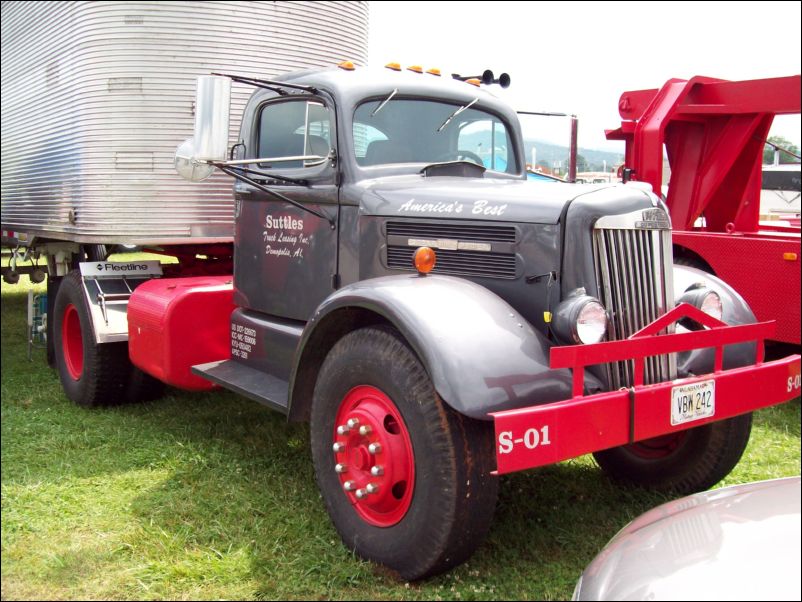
pixel 424 260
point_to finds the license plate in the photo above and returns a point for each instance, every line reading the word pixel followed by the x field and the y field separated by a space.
pixel 693 401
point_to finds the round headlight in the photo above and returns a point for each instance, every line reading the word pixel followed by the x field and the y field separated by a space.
pixel 580 319
pixel 591 323
pixel 711 305
pixel 706 300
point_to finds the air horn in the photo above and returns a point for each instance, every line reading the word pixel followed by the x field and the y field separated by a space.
pixel 486 78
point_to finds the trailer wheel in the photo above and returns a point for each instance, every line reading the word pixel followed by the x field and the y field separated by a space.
pixel 684 462
pixel 405 479
pixel 91 374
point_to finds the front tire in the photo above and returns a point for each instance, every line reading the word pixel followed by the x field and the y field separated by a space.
pixel 683 462
pixel 406 480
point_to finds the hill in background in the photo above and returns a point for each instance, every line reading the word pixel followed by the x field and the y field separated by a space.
pixel 554 156
pixel 549 155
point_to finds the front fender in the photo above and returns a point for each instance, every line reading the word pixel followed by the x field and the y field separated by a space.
pixel 735 311
pixel 480 353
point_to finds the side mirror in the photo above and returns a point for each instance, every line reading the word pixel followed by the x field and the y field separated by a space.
pixel 187 166
pixel 210 142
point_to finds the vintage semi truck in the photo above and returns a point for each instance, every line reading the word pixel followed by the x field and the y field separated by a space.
pixel 438 321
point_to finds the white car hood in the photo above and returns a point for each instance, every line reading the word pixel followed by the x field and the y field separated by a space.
pixel 737 543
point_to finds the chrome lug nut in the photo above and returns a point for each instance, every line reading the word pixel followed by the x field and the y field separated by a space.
pixel 340 468
pixel 338 447
pixel 349 485
pixel 377 470
pixel 352 423
pixel 342 430
pixel 372 488
pixel 375 448
pixel 365 430
pixel 361 493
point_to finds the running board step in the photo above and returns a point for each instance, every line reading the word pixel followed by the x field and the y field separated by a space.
pixel 251 383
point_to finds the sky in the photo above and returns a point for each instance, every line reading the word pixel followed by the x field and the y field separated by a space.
pixel 578 57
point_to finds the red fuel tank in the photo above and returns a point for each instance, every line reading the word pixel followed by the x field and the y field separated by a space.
pixel 175 323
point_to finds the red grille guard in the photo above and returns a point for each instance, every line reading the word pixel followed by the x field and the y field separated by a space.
pixel 549 433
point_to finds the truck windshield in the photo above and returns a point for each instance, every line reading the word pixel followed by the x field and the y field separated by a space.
pixel 428 131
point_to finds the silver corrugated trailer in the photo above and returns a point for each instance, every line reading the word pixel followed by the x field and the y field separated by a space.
pixel 97 95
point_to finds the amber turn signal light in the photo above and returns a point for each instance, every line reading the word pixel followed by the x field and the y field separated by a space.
pixel 424 260
pixel 347 65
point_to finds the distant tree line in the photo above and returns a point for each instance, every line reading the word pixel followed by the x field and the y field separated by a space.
pixel 784 145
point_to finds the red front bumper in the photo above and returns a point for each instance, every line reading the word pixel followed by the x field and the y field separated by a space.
pixel 544 434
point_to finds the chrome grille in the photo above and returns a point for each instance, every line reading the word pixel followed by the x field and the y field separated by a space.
pixel 633 269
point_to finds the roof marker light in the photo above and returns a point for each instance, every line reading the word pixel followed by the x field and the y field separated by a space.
pixel 474 81
pixel 433 71
pixel 393 66
pixel 415 68
pixel 347 65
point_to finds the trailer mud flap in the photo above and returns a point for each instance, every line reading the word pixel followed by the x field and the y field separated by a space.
pixel 108 286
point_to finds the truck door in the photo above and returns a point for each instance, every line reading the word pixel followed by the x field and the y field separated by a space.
pixel 286 257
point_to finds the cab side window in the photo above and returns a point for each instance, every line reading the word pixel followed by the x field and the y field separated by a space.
pixel 489 140
pixel 293 128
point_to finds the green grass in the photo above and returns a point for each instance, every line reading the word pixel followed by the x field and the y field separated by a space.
pixel 209 496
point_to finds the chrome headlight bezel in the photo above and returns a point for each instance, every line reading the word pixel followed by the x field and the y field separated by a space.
pixel 705 299
pixel 580 319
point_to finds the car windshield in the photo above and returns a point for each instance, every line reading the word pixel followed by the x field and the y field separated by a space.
pixel 391 131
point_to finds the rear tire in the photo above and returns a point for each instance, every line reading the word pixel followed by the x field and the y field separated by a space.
pixel 683 463
pixel 142 386
pixel 93 374
pixel 435 495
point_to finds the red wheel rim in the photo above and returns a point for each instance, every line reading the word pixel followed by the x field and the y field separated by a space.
pixel 72 342
pixel 658 447
pixel 373 456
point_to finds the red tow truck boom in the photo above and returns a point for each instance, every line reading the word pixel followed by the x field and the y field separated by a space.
pixel 713 132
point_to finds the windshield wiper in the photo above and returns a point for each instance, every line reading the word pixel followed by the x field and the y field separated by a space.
pixel 269 84
pixel 457 112
pixel 386 100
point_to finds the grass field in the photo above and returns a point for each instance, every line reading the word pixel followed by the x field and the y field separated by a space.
pixel 209 496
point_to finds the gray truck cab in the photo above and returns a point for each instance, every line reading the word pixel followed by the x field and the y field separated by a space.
pixel 415 160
